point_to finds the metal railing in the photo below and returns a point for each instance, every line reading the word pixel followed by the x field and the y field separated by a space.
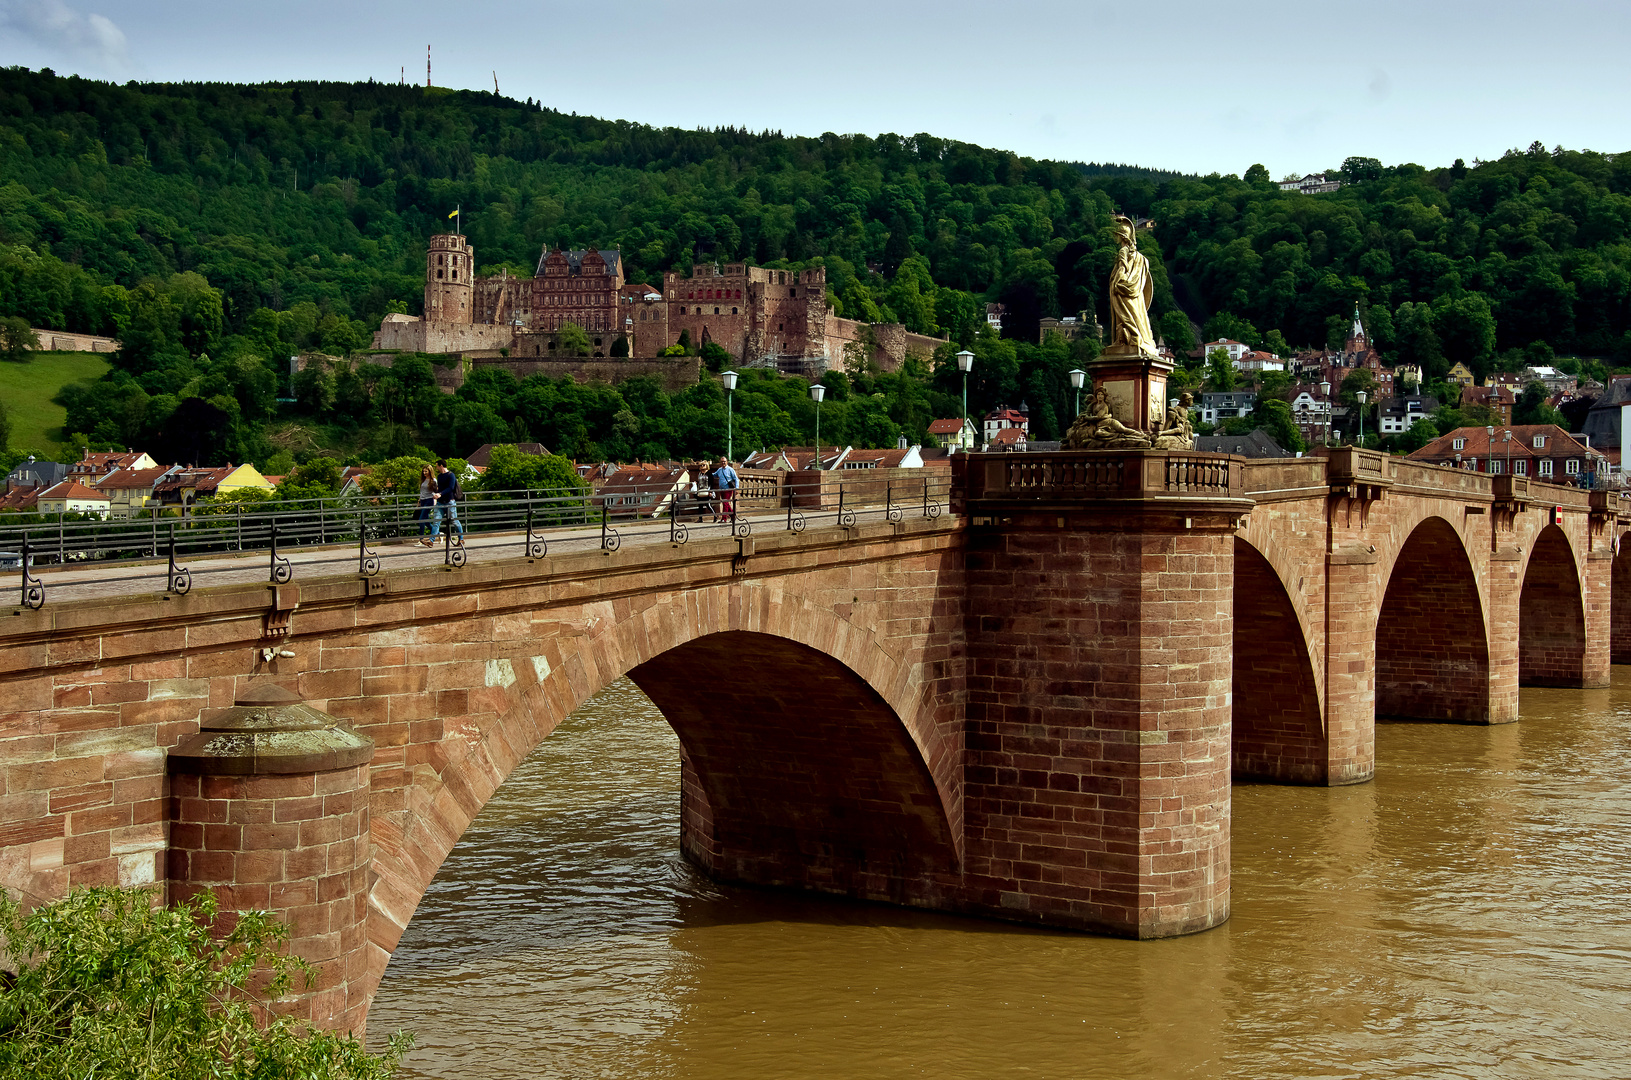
pixel 364 534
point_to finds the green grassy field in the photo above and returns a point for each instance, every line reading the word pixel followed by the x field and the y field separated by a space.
pixel 27 390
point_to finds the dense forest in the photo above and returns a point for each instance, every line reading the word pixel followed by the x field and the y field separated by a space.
pixel 217 228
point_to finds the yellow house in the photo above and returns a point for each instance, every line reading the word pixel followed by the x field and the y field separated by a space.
pixel 183 487
pixel 1460 376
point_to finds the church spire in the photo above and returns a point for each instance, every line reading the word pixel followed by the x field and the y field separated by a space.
pixel 1359 328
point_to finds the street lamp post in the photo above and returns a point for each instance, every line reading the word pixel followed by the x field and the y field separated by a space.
pixel 1507 438
pixel 1489 438
pixel 1361 395
pixel 729 379
pixel 1325 392
pixel 965 364
pixel 1077 378
pixel 817 392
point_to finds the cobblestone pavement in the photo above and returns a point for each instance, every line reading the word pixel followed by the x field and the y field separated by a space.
pixel 147 577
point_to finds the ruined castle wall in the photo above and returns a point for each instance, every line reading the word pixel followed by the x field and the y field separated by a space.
pixel 674 372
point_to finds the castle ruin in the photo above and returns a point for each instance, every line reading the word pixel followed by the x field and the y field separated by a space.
pixel 762 317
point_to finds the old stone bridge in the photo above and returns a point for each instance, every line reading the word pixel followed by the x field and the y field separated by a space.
pixel 1031 708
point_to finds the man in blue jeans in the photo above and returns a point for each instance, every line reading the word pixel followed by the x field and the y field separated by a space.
pixel 447 502
pixel 725 483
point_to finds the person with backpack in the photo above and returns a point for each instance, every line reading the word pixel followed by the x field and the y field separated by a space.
pixel 447 503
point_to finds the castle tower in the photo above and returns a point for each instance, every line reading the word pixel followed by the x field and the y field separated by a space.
pixel 1357 342
pixel 450 271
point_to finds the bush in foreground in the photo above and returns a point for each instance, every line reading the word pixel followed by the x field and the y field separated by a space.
pixel 104 984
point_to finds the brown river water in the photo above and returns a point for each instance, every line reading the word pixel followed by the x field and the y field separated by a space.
pixel 1467 914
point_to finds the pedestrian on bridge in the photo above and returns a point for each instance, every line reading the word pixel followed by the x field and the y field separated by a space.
pixel 725 484
pixel 447 505
pixel 702 496
pixel 427 500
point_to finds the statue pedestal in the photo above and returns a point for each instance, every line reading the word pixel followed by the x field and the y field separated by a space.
pixel 1136 385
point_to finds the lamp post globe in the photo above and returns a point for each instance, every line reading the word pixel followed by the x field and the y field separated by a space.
pixel 728 378
pixel 1078 378
pixel 1325 392
pixel 965 364
pixel 817 392
pixel 1362 396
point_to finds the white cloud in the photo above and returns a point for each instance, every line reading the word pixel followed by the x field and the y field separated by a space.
pixel 94 40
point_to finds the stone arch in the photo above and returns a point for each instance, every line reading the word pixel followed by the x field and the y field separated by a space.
pixel 1551 614
pixel 1432 643
pixel 789 657
pixel 1620 602
pixel 1277 729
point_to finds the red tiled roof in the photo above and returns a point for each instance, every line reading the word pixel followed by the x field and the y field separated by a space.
pixel 1007 435
pixel 945 427
pixel 72 489
pixel 130 479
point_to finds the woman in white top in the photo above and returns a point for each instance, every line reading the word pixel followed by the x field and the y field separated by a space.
pixel 427 499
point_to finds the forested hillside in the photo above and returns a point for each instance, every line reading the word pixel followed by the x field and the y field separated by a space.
pixel 216 228
pixel 1516 258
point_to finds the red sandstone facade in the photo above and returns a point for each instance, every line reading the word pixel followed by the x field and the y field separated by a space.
pixel 1031 710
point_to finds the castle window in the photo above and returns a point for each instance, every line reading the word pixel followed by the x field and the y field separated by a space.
pixel 716 311
pixel 597 341
pixel 439 274
pixel 733 311
pixel 792 293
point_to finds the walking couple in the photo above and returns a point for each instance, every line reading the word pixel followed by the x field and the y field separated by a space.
pixel 715 492
pixel 439 494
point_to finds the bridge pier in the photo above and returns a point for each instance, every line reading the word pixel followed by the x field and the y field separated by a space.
pixel 269 811
pixel 1100 635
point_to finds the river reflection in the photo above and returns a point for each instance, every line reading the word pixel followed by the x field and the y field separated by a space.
pixel 1464 915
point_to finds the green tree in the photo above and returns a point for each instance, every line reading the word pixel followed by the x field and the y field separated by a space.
pixel 396 476
pixel 572 340
pixel 1179 334
pixel 17 339
pixel 1220 370
pixel 108 984
pixel 5 427
pixel 1421 433
pixel 510 470
pixel 1533 407
pixel 1466 326
pixel 1272 415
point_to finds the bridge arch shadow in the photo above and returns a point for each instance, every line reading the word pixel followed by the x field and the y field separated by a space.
pixel 812 757
pixel 1432 647
pixel 1277 730
pixel 1620 603
pixel 1552 615
pixel 796 772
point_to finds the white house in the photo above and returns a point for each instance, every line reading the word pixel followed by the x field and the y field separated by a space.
pixel 72 497
pixel 1235 349
pixel 1002 418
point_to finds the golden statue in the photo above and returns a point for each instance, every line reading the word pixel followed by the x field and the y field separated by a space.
pixel 1097 429
pixel 1131 290
pixel 1179 433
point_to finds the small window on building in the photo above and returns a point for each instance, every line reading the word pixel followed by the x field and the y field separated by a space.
pixel 1571 466
pixel 1459 444
pixel 716 311
pixel 1546 467
pixel 1494 467
pixel 1520 468
pixel 1540 442
pixel 439 274
pixel 597 341
pixel 792 292
pixel 733 311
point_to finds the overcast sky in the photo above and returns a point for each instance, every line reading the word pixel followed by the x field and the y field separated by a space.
pixel 1173 84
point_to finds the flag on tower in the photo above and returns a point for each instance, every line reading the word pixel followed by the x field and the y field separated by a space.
pixel 454 214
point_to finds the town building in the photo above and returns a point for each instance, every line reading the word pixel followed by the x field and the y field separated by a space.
pixel 130 491
pixel 1399 413
pixel 1235 349
pixel 1254 444
pixel 184 487
pixel 1083 324
pixel 1460 375
pixel 1219 405
pixel 1003 418
pixel 1310 184
pixel 1540 451
pixel 642 490
pixel 94 464
pixel 72 497
pixel 1312 413
pixel 1498 399
pixel 954 433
